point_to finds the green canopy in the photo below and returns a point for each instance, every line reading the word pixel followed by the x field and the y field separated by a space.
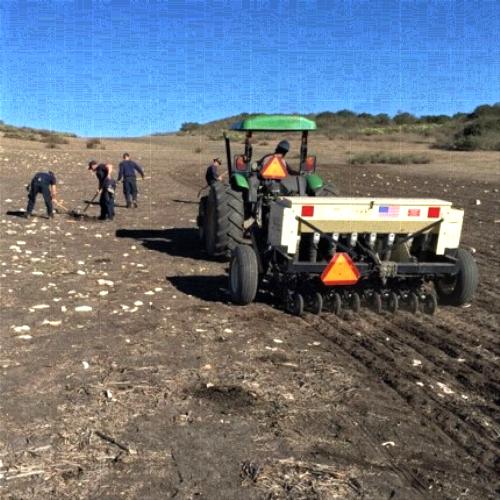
pixel 275 123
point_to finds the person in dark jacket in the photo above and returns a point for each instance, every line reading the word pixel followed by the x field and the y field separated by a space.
pixel 107 199
pixel 44 183
pixel 212 175
pixel 100 171
pixel 127 170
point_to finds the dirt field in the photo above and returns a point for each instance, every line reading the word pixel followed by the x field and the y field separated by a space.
pixel 164 389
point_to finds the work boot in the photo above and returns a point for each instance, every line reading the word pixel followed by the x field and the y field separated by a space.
pixel 135 204
pixel 129 205
pixel 51 215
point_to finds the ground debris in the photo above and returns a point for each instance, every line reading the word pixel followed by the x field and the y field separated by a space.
pixel 292 478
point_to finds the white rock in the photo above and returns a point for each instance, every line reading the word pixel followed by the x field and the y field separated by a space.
pixel 389 443
pixel 228 330
pixel 445 388
pixel 102 282
pixel 416 362
pixel 22 328
pixel 24 337
pixel 85 365
pixel 478 202
pixel 37 273
pixel 52 323
pixel 277 341
pixel 80 272
pixel 158 289
pixel 149 292
pixel 83 308
pixel 40 306
pixel 64 309
pixel 102 293
pixel 138 303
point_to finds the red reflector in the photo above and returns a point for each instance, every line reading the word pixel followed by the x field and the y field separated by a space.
pixel 310 163
pixel 433 212
pixel 307 211
pixel 240 163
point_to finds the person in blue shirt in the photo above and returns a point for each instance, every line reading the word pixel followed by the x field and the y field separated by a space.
pixel 45 184
pixel 107 198
pixel 127 170
pixel 100 171
pixel 212 174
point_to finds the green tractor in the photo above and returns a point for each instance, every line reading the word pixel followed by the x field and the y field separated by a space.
pixel 228 211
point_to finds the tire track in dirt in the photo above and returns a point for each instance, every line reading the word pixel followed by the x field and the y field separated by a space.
pixel 446 416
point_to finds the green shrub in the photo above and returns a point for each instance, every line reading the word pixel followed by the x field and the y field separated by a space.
pixel 381 157
pixel 95 144
pixel 52 138
pixel 198 150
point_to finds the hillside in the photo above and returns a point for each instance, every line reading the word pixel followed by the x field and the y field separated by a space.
pixel 462 132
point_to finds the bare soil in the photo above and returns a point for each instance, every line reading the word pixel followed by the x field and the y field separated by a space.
pixel 164 389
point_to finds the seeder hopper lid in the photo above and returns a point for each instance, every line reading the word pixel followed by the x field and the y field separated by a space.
pixel 356 201
pixel 275 123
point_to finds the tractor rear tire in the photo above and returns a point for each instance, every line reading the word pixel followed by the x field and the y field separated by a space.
pixel 202 215
pixel 224 219
pixel 459 289
pixel 243 275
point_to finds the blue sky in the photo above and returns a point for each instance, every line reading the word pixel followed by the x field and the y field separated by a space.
pixel 116 68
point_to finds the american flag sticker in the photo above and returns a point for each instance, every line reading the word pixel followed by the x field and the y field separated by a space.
pixel 388 211
pixel 414 212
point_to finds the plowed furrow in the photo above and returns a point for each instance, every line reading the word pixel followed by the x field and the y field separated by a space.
pixel 383 362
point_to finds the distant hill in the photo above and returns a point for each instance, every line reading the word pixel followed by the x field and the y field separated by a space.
pixel 462 131
pixel 49 137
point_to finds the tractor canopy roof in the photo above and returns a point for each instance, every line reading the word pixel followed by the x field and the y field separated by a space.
pixel 275 123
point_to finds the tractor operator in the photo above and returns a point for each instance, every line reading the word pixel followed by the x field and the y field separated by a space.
pixel 212 175
pixel 44 183
pixel 127 171
pixel 281 150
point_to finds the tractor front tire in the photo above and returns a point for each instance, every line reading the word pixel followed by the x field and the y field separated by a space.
pixel 460 288
pixel 243 275
pixel 224 219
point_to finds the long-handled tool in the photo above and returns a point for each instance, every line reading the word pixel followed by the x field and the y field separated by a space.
pixel 91 201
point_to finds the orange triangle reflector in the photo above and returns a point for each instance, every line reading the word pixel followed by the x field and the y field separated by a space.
pixel 274 168
pixel 341 270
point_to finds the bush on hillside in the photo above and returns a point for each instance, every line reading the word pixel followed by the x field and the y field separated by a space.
pixel 382 157
pixel 95 144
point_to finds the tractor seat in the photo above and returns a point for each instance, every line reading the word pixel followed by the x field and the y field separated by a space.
pixel 293 185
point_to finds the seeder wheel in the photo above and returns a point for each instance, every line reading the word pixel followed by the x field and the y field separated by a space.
pixel 393 302
pixel 430 304
pixel 355 302
pixel 317 303
pixel 413 302
pixel 377 302
pixel 336 304
pixel 297 304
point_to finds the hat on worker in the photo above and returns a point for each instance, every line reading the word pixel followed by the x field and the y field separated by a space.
pixel 283 147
